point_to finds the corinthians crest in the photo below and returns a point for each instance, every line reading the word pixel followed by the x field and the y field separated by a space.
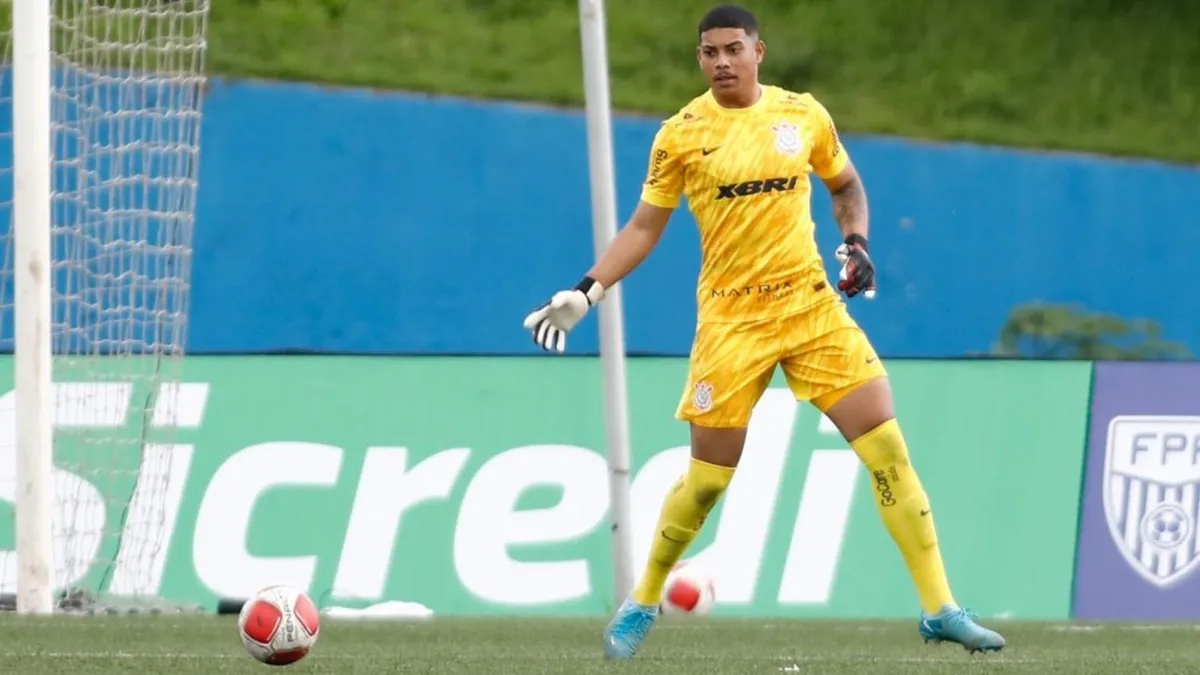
pixel 702 396
pixel 1152 494
pixel 787 138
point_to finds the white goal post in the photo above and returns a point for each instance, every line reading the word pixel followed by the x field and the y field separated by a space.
pixel 100 108
pixel 593 42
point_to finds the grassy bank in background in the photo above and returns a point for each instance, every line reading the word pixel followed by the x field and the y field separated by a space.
pixel 1110 76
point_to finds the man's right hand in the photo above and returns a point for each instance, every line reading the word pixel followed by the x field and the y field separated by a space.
pixel 551 322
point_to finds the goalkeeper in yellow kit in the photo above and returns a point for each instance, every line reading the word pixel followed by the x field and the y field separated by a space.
pixel 741 153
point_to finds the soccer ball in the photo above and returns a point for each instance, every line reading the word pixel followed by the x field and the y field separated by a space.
pixel 279 625
pixel 689 590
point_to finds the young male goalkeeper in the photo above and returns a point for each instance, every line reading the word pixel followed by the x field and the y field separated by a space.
pixel 741 153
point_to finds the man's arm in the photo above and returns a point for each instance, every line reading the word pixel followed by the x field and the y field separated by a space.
pixel 632 244
pixel 849 199
pixel 832 164
pixel 850 209
pixel 661 193
pixel 551 322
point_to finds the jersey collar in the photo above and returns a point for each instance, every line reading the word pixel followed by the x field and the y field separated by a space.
pixel 764 94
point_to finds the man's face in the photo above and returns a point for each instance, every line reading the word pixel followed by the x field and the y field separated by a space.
pixel 729 58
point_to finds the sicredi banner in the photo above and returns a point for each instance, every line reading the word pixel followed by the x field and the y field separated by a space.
pixel 479 486
pixel 1139 553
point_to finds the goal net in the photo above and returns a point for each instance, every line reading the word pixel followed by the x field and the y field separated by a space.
pixel 125 109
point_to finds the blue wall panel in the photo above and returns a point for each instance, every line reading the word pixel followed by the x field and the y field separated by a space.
pixel 353 221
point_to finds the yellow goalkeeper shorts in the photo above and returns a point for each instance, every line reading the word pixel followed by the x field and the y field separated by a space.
pixel 823 352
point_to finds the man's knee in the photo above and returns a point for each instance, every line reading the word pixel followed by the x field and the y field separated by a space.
pixel 707 482
pixel 702 487
pixel 886 445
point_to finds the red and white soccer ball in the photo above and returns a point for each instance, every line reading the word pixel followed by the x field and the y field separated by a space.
pixel 689 590
pixel 279 625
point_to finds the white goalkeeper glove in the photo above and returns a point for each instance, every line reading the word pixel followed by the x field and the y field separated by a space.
pixel 551 322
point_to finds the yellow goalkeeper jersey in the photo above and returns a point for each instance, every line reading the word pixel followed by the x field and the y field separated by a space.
pixel 744 172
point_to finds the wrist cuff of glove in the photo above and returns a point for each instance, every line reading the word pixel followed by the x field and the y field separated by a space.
pixel 592 289
pixel 857 240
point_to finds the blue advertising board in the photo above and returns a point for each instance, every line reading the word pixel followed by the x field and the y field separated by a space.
pixel 352 221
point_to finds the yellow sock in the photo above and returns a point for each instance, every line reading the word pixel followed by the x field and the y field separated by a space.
pixel 905 509
pixel 683 513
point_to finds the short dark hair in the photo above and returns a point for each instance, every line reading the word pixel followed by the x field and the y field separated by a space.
pixel 728 16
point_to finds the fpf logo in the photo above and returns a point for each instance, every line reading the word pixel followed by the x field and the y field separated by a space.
pixel 1152 494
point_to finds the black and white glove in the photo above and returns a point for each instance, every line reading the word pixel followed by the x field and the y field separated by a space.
pixel 551 322
pixel 858 272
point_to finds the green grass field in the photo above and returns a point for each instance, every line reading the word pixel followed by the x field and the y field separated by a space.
pixel 210 646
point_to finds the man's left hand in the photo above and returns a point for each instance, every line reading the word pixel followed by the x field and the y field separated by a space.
pixel 858 272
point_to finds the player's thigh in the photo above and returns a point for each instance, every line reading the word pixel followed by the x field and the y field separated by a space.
pixel 729 369
pixel 829 356
pixel 721 446
pixel 861 407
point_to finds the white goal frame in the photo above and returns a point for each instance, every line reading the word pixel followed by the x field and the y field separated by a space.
pixel 593 42
pixel 31 72
pixel 32 75
pixel 106 107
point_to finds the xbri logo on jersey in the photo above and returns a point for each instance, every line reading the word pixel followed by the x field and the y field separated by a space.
pixel 754 187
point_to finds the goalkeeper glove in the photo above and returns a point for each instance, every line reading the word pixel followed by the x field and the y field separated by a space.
pixel 858 272
pixel 551 322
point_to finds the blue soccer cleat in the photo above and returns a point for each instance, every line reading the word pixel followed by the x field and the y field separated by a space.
pixel 953 624
pixel 627 629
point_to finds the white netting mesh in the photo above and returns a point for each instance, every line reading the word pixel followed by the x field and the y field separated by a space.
pixel 127 88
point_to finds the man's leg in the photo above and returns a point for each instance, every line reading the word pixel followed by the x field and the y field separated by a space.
pixel 831 363
pixel 727 378
pixel 865 417
pixel 715 454
pixel 864 413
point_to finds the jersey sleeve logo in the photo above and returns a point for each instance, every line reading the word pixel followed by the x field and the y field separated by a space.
pixel 837 142
pixel 787 138
pixel 660 156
